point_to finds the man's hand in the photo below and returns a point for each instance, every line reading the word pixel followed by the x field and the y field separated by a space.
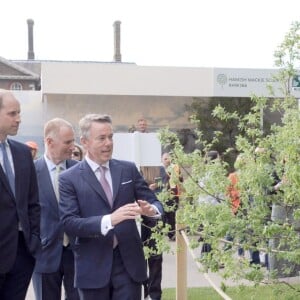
pixel 127 212
pixel 146 208
pixel 153 186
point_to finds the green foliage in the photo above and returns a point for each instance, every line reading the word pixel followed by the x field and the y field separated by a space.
pixel 252 227
pixel 261 292
pixel 218 132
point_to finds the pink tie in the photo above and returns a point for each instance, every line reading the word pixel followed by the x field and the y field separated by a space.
pixel 105 185
pixel 108 193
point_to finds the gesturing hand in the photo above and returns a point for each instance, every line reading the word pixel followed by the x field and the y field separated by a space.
pixel 146 208
pixel 125 212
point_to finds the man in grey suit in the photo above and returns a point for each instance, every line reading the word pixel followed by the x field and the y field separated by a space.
pixel 55 261
pixel 101 198
pixel 19 206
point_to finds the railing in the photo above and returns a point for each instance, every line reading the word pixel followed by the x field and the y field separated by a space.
pixel 183 245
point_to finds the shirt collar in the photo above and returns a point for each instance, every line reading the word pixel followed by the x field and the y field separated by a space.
pixel 94 166
pixel 51 166
pixel 5 142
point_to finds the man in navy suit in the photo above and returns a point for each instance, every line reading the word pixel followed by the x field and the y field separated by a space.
pixel 19 205
pixel 55 261
pixel 100 201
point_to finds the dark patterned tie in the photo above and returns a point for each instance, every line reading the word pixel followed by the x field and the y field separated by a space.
pixel 105 185
pixel 7 168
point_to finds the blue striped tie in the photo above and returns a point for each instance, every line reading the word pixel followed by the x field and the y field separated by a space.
pixel 7 168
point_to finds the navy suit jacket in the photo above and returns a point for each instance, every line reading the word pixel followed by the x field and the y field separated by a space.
pixel 83 204
pixel 23 209
pixel 49 256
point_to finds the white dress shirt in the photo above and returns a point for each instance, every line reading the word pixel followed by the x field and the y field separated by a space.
pixel 105 225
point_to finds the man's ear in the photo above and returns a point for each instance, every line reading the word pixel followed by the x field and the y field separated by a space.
pixel 83 141
pixel 48 141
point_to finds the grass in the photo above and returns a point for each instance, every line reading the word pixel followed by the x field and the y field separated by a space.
pixel 263 292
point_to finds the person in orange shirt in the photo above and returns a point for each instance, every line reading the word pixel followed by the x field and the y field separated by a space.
pixel 234 192
pixel 33 148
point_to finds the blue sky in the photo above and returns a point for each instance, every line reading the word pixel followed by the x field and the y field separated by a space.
pixel 187 33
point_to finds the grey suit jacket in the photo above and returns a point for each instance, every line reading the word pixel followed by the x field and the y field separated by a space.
pixel 49 257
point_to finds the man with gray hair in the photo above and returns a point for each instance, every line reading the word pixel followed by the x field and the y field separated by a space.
pixel 101 198
pixel 55 261
pixel 19 205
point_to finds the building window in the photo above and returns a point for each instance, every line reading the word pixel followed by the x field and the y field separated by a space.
pixel 17 86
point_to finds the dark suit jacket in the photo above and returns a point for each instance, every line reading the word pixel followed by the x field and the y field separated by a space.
pixel 82 206
pixel 23 208
pixel 49 257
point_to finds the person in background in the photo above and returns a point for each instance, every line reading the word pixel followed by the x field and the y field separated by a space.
pixel 55 261
pixel 234 195
pixel 142 125
pixel 132 129
pixel 169 178
pixel 211 157
pixel 100 199
pixel 77 153
pixel 33 148
pixel 19 205
pixel 152 286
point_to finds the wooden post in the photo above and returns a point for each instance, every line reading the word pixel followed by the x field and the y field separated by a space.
pixel 181 265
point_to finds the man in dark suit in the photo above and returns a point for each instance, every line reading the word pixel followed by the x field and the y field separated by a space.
pixel 55 261
pixel 100 201
pixel 19 205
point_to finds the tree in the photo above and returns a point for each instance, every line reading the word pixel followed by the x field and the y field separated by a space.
pixel 210 127
pixel 252 227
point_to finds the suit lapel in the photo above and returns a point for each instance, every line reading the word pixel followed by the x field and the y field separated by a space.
pixel 70 163
pixel 115 172
pixel 17 160
pixel 90 178
pixel 5 182
pixel 45 181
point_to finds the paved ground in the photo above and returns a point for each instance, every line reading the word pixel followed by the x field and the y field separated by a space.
pixel 194 277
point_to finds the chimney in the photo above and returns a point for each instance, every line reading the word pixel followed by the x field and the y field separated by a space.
pixel 117 41
pixel 30 55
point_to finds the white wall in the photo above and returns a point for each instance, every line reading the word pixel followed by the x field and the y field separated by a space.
pixel 95 78
pixel 124 79
pixel 142 148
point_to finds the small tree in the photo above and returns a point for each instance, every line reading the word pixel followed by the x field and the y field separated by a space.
pixel 253 225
